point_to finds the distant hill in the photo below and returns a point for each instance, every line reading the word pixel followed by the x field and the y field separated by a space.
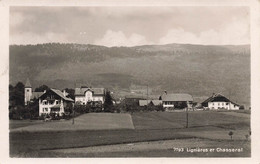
pixel 196 69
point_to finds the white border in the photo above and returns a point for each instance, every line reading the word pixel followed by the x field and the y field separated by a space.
pixel 255 77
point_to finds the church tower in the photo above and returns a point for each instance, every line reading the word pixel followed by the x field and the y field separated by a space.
pixel 27 92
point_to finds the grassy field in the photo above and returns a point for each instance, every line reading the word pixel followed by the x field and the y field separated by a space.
pixel 150 126
pixel 91 121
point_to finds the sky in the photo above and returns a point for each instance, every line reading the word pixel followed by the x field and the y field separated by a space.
pixel 130 26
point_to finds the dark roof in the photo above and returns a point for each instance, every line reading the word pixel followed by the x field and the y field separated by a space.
pixel 217 98
pixel 96 91
pixel 60 94
pixel 28 84
pixel 177 97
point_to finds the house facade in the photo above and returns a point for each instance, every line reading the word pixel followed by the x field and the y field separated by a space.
pixel 86 95
pixel 218 101
pixel 29 94
pixel 176 100
pixel 54 101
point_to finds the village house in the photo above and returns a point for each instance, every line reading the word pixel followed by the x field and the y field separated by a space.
pixel 54 101
pixel 29 94
pixel 176 100
pixel 218 101
pixel 85 95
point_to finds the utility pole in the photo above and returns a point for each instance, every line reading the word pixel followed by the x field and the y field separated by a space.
pixel 73 107
pixel 147 98
pixel 187 116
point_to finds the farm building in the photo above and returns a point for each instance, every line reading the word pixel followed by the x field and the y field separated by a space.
pixel 218 101
pixel 133 99
pixel 29 94
pixel 54 101
pixel 150 102
pixel 176 100
pixel 85 95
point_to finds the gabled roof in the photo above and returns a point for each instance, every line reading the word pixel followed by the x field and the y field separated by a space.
pixel 60 94
pixel 96 91
pixel 177 97
pixel 217 98
pixel 28 84
pixel 157 102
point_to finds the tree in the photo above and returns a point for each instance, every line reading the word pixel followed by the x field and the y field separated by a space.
pixel 108 101
pixel 71 93
pixel 42 88
pixel 230 134
pixel 16 94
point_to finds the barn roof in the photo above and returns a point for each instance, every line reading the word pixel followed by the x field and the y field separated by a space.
pixel 177 97
pixel 217 98
pixel 96 91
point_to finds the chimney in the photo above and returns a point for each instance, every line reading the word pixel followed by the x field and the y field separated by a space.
pixel 64 93
pixel 44 91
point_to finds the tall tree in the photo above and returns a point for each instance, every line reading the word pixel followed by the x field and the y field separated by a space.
pixel 42 88
pixel 108 101
pixel 18 94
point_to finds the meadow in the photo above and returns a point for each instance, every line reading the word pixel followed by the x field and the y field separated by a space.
pixel 210 127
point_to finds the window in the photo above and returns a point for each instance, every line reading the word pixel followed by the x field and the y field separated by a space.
pixel 44 102
pixel 212 103
pixel 57 102
pixel 226 103
pixel 28 90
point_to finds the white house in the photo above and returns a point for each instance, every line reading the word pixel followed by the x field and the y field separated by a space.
pixel 53 101
pixel 218 101
pixel 30 95
pixel 176 100
pixel 85 95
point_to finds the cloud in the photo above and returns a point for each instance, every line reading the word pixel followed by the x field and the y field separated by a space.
pixel 236 32
pixel 118 38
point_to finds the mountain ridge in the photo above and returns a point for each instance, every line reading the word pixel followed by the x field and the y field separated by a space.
pixel 195 69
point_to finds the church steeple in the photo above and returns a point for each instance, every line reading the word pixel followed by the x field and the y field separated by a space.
pixel 28 84
pixel 27 92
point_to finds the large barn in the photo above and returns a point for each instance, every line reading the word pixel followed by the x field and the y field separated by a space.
pixel 218 101
pixel 176 100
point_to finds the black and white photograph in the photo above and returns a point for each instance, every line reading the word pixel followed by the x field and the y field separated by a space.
pixel 130 81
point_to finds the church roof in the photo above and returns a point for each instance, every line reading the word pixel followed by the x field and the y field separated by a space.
pixel 28 84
